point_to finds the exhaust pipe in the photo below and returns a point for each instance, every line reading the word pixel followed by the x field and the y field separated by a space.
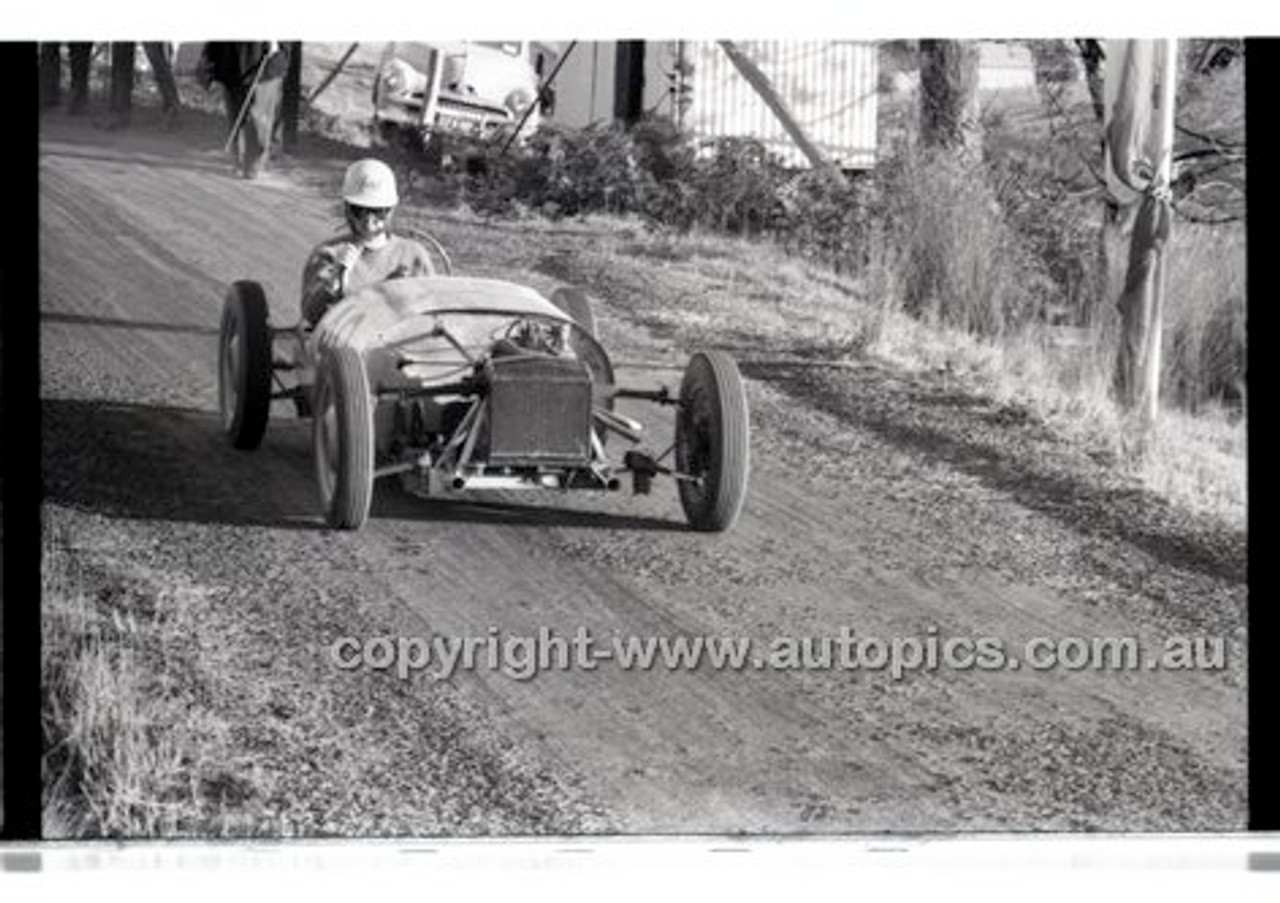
pixel 623 426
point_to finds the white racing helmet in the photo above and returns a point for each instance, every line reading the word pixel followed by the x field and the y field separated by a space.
pixel 370 183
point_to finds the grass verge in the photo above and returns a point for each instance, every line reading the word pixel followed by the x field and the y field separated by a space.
pixel 129 748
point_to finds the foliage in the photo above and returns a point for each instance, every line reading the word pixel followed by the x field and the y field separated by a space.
pixel 958 260
pixel 988 242
pixel 1204 334
pixel 1209 146
pixel 1060 226
pixel 730 185
pixel 1049 185
pixel 1056 68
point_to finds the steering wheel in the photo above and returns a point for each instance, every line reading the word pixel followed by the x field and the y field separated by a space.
pixel 434 244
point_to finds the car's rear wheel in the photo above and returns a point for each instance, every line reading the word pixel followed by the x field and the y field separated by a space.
pixel 712 441
pixel 244 365
pixel 343 438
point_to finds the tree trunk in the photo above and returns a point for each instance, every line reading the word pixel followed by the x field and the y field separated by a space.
pixel 1111 239
pixel 81 54
pixel 1139 160
pixel 949 95
pixel 1092 56
pixel 1136 379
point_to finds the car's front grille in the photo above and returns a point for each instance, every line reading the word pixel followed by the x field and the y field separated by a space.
pixel 540 412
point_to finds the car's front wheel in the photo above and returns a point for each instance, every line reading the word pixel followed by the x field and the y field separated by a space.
pixel 712 441
pixel 244 365
pixel 343 436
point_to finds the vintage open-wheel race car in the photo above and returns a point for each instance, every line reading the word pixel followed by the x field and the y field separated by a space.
pixel 455 383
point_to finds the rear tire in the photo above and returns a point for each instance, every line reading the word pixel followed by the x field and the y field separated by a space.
pixel 712 441
pixel 343 439
pixel 244 365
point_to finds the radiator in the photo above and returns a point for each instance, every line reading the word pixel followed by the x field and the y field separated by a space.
pixel 539 412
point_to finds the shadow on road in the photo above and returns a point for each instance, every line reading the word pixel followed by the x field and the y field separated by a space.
pixel 1010 452
pixel 392 502
pixel 136 158
pixel 167 463
pixel 164 463
pixel 114 323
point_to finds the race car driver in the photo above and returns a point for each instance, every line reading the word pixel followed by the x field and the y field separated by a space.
pixel 367 252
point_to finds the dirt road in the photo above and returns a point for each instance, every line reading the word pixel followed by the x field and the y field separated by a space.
pixel 852 521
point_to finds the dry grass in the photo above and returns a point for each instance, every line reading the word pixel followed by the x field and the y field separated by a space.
pixel 1200 462
pixel 128 749
pixel 959 261
pixel 1204 339
pixel 1196 461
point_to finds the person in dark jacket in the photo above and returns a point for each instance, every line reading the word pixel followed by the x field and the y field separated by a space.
pixel 252 72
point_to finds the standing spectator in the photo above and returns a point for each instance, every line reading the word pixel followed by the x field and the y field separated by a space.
pixel 160 56
pixel 252 73
pixel 51 75
pixel 123 58
pixel 120 104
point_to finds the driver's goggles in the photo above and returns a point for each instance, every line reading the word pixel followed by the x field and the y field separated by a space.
pixel 362 212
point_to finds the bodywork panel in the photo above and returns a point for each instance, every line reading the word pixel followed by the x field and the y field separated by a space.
pixel 386 312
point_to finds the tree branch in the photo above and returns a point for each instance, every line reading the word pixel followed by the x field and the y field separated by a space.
pixel 1207 221
pixel 1209 139
pixel 1201 152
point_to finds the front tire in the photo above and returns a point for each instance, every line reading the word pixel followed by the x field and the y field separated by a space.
pixel 343 439
pixel 712 441
pixel 244 365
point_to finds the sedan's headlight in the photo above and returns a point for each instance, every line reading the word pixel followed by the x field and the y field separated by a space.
pixel 519 100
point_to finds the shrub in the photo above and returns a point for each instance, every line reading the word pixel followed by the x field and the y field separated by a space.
pixel 1204 343
pixel 1060 226
pixel 826 222
pixel 738 187
pixel 959 261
